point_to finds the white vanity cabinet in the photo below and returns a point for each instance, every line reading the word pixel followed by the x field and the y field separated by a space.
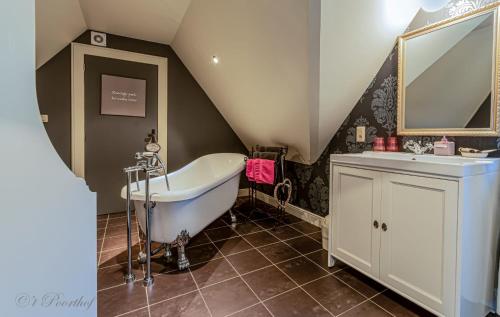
pixel 430 237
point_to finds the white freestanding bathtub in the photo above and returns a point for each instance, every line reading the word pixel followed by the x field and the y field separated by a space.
pixel 200 192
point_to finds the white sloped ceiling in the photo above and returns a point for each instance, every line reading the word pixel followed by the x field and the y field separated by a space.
pixel 290 70
pixel 356 38
pixel 150 20
pixel 260 85
pixel 58 22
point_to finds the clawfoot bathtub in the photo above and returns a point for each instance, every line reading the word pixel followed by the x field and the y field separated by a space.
pixel 200 192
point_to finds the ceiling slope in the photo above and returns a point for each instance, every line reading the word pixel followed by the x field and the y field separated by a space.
pixel 149 20
pixel 260 85
pixel 290 71
pixel 58 22
pixel 356 38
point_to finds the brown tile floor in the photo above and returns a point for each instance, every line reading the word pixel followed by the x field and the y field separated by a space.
pixel 250 269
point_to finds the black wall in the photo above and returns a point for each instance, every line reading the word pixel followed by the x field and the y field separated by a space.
pixel 195 127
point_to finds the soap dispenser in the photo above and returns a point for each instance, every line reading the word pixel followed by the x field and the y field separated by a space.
pixel 444 147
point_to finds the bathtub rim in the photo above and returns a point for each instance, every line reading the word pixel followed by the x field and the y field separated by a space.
pixel 190 193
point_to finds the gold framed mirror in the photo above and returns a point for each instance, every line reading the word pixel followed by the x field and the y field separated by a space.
pixel 448 77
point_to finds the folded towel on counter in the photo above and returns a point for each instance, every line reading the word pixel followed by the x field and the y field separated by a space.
pixel 260 171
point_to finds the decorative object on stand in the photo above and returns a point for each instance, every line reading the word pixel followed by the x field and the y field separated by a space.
pixel 444 147
pixel 392 144
pixel 379 144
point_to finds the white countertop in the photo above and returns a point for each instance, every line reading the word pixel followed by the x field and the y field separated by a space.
pixel 456 166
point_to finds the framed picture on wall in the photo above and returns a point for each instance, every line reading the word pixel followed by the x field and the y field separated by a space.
pixel 123 96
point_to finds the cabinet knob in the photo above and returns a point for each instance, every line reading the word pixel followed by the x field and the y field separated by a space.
pixel 375 224
pixel 384 227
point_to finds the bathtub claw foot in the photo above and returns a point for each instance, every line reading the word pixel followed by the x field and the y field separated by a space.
pixel 233 217
pixel 182 261
pixel 141 258
pixel 168 253
pixel 181 241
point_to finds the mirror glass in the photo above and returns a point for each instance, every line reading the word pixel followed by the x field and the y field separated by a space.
pixel 448 76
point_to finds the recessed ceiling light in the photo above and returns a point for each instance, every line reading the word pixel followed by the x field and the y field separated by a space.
pixel 215 60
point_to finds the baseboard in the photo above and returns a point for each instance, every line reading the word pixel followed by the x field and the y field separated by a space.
pixel 301 213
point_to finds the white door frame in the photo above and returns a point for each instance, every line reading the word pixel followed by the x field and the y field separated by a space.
pixel 78 52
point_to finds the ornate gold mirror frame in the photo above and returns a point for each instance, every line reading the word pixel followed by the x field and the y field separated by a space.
pixel 494 129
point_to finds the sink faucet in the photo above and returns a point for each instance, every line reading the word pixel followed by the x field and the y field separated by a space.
pixel 417 148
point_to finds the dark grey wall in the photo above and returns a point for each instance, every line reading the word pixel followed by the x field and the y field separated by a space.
pixel 195 127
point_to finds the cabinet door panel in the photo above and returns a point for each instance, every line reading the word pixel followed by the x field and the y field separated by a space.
pixel 356 205
pixel 418 250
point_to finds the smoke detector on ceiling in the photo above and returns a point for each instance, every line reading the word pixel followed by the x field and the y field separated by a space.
pixel 97 38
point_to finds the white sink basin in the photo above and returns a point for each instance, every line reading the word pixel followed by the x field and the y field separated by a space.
pixel 457 166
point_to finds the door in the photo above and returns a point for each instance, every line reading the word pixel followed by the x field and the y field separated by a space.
pixel 112 140
pixel 356 216
pixel 419 238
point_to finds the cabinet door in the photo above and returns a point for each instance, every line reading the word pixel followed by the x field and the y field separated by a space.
pixel 419 238
pixel 356 206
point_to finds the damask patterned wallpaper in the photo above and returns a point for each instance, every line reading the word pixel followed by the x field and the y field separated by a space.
pixel 376 109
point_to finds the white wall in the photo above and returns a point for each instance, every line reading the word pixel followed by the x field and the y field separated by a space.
pixel 261 84
pixel 48 225
pixel 356 38
pixel 58 22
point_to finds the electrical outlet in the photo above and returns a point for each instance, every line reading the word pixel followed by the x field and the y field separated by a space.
pixel 360 134
pixel 45 118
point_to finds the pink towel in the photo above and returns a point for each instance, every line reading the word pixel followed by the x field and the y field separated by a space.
pixel 260 171
pixel 264 171
pixel 249 171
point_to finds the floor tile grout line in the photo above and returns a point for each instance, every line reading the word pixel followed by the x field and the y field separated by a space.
pixel 199 292
pixel 368 299
pixel 102 242
pixel 374 303
pixel 227 279
pixel 174 297
pixel 144 275
pixel 301 253
pixel 224 257
pixel 240 275
pixel 130 311
pixel 239 311
pixel 350 286
pixel 293 282
pixel 241 278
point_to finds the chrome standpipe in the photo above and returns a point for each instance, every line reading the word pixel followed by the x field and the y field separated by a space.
pixel 129 276
pixel 148 279
pixel 150 163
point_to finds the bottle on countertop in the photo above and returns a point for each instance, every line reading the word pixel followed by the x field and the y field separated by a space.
pixel 444 147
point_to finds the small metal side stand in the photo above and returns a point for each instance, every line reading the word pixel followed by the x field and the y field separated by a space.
pixel 282 185
pixel 151 165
